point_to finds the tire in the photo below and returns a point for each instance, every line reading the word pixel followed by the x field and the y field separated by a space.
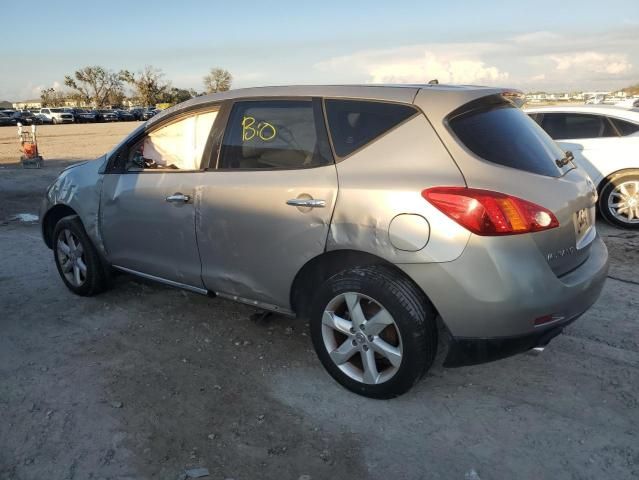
pixel 623 191
pixel 86 282
pixel 394 316
pixel 54 121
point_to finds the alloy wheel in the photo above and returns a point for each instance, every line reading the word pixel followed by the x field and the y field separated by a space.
pixel 362 338
pixel 70 254
pixel 623 202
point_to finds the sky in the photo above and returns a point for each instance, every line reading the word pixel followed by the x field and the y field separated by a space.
pixel 559 45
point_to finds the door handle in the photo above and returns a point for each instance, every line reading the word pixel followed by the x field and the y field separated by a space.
pixel 306 202
pixel 178 198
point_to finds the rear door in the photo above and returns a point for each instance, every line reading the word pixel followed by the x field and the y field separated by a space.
pixel 266 203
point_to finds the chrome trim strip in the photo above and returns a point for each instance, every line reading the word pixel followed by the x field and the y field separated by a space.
pixel 587 238
pixel 227 296
pixel 255 303
pixel 163 280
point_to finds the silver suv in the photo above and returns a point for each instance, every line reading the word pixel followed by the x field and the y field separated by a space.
pixel 387 215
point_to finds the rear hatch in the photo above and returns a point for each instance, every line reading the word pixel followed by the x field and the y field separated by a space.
pixel 505 151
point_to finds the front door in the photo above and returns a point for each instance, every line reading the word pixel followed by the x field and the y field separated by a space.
pixel 147 209
pixel 265 209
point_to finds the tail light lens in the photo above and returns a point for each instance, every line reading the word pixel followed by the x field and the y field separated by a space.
pixel 489 213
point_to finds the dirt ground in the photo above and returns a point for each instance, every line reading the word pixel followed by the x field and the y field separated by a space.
pixel 145 381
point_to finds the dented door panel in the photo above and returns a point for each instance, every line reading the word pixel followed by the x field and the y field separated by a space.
pixel 252 243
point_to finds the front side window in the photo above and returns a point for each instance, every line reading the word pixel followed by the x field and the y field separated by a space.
pixel 273 134
pixel 563 126
pixel 176 146
pixel 355 123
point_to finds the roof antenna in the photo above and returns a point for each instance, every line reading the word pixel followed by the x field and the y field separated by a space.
pixel 434 81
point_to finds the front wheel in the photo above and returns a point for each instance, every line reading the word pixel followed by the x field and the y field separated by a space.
pixel 619 200
pixel 76 258
pixel 374 331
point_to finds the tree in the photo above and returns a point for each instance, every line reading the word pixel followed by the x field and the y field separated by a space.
pixel 50 97
pixel 177 95
pixel 219 80
pixel 149 84
pixel 93 85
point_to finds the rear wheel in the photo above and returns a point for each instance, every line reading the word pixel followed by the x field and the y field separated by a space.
pixel 76 258
pixel 374 331
pixel 54 121
pixel 619 200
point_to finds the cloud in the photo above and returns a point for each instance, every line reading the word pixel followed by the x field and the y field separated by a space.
pixel 596 62
pixel 530 60
pixel 420 63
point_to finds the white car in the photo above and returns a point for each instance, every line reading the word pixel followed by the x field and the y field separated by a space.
pixel 605 142
pixel 56 115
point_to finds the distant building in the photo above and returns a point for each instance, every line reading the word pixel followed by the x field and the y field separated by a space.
pixel 27 104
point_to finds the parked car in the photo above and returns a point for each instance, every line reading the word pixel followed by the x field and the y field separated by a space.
pixel 124 116
pixel 56 115
pixel 465 216
pixel 605 143
pixel 628 103
pixel 107 116
pixel 82 115
pixel 41 119
pixel 136 112
pixel 24 117
pixel 7 120
pixel 148 113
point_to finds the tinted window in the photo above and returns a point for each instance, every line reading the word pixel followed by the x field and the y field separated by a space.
pixel 575 125
pixel 274 134
pixel 57 110
pixel 354 123
pixel 625 128
pixel 501 133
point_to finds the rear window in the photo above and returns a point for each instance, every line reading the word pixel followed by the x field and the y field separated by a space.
pixel 501 133
pixel 625 128
pixel 354 123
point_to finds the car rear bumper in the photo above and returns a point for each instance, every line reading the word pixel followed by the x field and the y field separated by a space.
pixel 498 287
pixel 471 351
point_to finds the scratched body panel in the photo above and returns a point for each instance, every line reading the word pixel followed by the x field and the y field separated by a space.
pixel 386 179
pixel 79 187
pixel 252 243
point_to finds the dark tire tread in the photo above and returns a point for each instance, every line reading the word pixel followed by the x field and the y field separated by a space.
pixel 97 278
pixel 418 316
pixel 602 204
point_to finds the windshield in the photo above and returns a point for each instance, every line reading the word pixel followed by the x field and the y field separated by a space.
pixel 499 132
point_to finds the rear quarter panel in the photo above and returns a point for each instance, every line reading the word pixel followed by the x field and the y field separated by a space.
pixel 385 179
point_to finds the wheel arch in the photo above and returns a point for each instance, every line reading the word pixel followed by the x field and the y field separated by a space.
pixel 611 176
pixel 51 218
pixel 320 268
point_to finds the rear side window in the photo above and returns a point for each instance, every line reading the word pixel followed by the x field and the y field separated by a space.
pixel 625 128
pixel 563 126
pixel 354 123
pixel 501 133
pixel 274 134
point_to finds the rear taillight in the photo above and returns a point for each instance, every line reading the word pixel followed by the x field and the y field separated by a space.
pixel 490 213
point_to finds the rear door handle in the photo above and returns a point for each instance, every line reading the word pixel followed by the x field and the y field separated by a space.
pixel 306 202
pixel 178 198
